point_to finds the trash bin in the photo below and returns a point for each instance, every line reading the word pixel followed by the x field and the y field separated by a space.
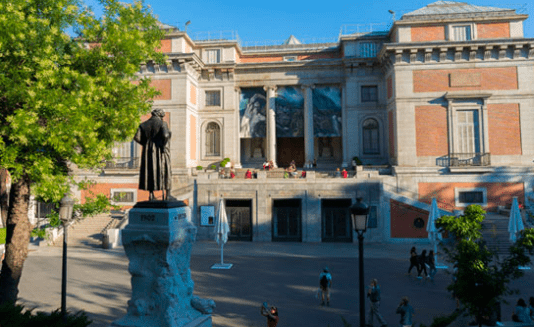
pixel 105 241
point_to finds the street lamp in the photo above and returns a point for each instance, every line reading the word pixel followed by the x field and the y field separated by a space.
pixel 65 214
pixel 359 213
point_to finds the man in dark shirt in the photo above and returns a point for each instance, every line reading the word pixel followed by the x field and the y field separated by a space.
pixel 272 316
pixel 374 297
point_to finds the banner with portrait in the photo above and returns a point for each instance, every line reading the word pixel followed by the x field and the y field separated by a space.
pixel 289 106
pixel 326 111
pixel 252 113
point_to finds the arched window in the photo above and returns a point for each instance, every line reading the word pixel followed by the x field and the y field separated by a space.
pixel 371 144
pixel 213 140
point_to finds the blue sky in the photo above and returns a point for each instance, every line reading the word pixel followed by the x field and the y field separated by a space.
pixel 275 20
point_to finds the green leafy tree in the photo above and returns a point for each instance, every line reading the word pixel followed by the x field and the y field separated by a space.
pixel 482 277
pixel 65 100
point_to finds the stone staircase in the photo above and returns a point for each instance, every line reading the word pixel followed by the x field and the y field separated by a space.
pixel 495 233
pixel 87 232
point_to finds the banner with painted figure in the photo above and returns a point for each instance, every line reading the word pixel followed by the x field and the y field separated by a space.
pixel 327 111
pixel 252 113
pixel 289 112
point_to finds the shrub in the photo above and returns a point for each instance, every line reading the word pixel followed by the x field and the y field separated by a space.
pixel 2 235
pixel 358 161
pixel 15 315
pixel 200 167
pixel 213 167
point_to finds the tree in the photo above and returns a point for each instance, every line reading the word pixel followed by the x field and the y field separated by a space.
pixel 65 100
pixel 482 277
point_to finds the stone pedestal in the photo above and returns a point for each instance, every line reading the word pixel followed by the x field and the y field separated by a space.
pixel 158 242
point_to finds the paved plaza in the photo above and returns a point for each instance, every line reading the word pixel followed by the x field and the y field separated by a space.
pixel 283 274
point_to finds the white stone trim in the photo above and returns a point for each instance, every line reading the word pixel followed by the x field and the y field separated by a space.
pixel 459 204
pixel 202 140
pixel 449 31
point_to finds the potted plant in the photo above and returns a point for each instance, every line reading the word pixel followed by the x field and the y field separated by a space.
pixel 357 164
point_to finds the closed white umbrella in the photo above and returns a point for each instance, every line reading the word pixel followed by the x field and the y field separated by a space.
pixel 221 234
pixel 515 224
pixel 433 234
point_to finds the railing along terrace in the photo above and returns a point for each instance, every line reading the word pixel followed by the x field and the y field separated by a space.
pixel 372 28
pixel 122 163
pixel 215 36
pixel 464 160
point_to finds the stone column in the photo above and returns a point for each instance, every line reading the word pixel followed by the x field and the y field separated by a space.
pixel 271 123
pixel 237 160
pixel 309 144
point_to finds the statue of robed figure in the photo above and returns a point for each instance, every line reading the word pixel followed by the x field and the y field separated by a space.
pixel 155 173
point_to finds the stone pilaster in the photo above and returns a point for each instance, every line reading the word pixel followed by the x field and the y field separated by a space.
pixel 309 146
pixel 237 160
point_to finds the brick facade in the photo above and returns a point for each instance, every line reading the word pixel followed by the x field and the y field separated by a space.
pixel 431 130
pixel 428 33
pixel 193 137
pixel 504 129
pixel 163 86
pixel 493 30
pixel 439 80
pixel 403 217
pixel 193 94
pixel 166 46
pixel 498 194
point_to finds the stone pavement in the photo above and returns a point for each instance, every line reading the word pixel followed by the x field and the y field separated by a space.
pixel 283 274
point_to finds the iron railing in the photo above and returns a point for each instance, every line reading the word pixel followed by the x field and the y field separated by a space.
pixel 123 163
pixel 464 160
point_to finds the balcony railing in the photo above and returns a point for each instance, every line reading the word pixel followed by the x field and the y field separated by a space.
pixel 123 163
pixel 464 160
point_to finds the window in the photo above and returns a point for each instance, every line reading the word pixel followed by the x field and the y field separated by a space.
pixel 370 93
pixel 367 49
pixel 213 137
pixel 213 56
pixel 123 196
pixel 290 58
pixel 370 137
pixel 213 98
pixel 461 33
pixel 468 132
pixel 124 156
pixel 467 196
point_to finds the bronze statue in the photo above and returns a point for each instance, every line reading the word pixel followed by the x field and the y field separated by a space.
pixel 155 173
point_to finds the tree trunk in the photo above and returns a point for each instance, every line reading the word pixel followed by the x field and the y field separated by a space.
pixel 17 240
pixel 4 198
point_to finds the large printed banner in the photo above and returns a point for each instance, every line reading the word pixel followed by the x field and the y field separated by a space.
pixel 252 113
pixel 326 111
pixel 289 112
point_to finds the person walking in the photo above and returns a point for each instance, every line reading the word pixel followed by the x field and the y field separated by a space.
pixel 521 312
pixel 422 264
pixel 430 260
pixel 272 315
pixel 325 284
pixel 374 298
pixel 406 311
pixel 414 261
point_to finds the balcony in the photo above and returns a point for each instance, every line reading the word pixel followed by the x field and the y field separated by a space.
pixel 122 163
pixel 464 160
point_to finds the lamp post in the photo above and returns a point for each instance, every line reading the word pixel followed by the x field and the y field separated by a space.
pixel 65 214
pixel 359 213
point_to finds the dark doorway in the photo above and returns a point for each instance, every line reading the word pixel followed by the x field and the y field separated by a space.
pixel 239 214
pixel 290 148
pixel 287 220
pixel 336 223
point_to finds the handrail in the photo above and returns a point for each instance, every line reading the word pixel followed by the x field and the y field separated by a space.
pixel 123 163
pixel 464 159
pixel 415 196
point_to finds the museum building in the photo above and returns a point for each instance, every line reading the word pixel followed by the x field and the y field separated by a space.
pixel 439 105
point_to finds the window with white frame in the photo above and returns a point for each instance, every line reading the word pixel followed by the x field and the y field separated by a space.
pixel 369 93
pixel 123 196
pixel 125 155
pixel 213 140
pixel 213 98
pixel 213 56
pixel 462 33
pixel 367 49
pixel 468 196
pixel 468 131
pixel 371 144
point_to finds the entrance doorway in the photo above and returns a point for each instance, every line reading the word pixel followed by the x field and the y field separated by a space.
pixel 290 148
pixel 287 220
pixel 239 213
pixel 336 223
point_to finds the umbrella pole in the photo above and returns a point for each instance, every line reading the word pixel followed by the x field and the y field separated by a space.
pixel 222 245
